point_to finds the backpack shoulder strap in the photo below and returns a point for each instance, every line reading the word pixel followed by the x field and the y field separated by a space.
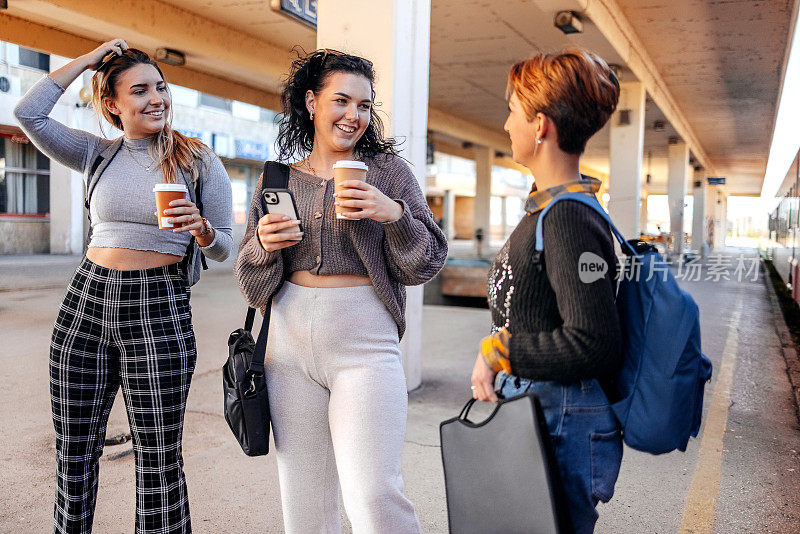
pixel 588 200
pixel 98 165
pixel 198 201
pixel 198 195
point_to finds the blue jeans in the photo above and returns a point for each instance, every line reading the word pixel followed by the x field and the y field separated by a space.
pixel 585 437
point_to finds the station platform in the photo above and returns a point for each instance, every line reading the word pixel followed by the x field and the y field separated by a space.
pixel 742 474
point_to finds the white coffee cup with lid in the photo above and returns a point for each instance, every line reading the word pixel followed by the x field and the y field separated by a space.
pixel 166 193
pixel 344 170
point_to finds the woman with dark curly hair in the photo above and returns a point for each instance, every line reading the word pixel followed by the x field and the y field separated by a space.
pixel 336 386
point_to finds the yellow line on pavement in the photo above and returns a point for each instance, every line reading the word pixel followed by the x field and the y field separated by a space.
pixel 701 499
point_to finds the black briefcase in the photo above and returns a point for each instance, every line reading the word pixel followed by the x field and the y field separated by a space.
pixel 500 474
pixel 245 388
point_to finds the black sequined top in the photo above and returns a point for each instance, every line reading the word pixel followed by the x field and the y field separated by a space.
pixel 563 322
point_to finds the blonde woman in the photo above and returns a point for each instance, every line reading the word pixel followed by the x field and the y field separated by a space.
pixel 125 320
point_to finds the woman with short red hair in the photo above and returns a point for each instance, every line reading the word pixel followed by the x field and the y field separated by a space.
pixel 554 334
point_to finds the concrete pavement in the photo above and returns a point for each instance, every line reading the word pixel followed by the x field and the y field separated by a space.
pixel 754 472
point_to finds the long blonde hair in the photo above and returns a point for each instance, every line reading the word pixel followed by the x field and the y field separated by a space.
pixel 168 148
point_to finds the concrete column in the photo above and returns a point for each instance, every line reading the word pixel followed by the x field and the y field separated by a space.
pixel 720 220
pixel 449 214
pixel 625 146
pixel 716 216
pixel 484 156
pixel 710 203
pixel 66 185
pixel 397 41
pixel 699 188
pixel 678 175
pixel 643 213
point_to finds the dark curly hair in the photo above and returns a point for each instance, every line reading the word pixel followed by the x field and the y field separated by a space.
pixel 311 71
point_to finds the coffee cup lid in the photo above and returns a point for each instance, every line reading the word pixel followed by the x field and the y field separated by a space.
pixel 349 164
pixel 170 187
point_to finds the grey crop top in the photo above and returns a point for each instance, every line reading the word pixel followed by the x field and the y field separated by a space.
pixel 123 203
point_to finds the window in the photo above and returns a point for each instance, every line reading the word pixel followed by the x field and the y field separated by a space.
pixel 240 176
pixel 267 115
pixel 243 110
pixel 24 179
pixel 215 102
pixel 36 60
pixel 184 96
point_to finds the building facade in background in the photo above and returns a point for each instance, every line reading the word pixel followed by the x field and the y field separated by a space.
pixel 41 201
pixel 242 135
pixel 24 171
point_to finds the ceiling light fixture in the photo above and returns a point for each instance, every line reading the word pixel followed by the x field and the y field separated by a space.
pixel 568 22
pixel 170 57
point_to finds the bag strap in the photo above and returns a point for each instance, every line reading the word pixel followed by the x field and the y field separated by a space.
pixel 276 175
pixel 198 201
pixel 99 164
pixel 588 200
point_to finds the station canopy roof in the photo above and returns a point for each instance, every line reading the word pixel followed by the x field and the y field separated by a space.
pixel 713 70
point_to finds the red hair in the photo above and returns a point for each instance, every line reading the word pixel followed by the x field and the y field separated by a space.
pixel 576 89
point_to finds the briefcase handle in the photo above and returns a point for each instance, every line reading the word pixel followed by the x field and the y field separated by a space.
pixel 465 410
pixel 470 403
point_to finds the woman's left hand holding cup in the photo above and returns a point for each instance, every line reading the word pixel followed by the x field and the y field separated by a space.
pixel 370 200
pixel 185 213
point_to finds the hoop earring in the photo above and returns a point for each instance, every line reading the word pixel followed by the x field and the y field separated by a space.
pixel 536 146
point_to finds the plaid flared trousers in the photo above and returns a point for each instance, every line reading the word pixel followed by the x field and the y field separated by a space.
pixel 131 329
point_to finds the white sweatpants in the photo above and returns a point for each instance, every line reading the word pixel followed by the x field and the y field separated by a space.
pixel 338 403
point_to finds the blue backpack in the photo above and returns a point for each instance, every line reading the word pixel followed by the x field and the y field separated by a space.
pixel 663 372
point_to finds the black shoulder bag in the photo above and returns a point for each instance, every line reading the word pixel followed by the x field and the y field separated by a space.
pixel 243 382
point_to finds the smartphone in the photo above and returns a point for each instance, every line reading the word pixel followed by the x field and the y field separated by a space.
pixel 282 201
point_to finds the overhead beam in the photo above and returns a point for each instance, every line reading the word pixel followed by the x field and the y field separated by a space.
pixel 208 45
pixel 453 149
pixel 609 18
pixel 54 41
pixel 443 122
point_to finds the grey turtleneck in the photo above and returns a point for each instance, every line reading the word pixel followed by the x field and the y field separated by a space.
pixel 123 203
